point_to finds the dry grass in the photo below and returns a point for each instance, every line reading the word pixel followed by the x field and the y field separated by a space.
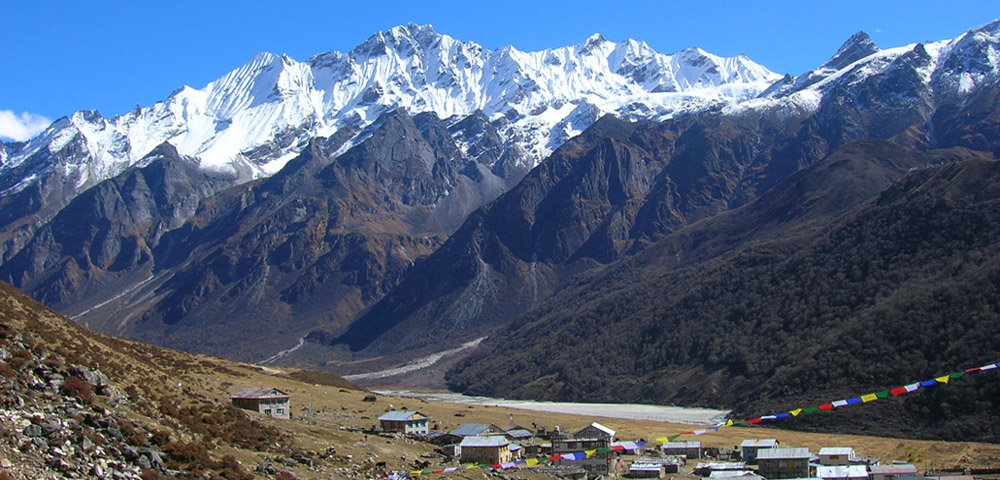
pixel 183 400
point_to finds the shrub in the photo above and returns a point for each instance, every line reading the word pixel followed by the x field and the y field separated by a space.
pixel 150 474
pixel 77 387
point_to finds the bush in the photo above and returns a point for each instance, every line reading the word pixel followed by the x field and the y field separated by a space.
pixel 77 387
pixel 150 474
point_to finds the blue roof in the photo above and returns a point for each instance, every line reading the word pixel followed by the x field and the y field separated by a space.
pixel 402 416
pixel 472 429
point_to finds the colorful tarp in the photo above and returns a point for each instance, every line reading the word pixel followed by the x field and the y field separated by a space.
pixel 860 399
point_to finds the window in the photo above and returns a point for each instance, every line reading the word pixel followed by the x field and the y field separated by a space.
pixel 267 411
pixel 280 411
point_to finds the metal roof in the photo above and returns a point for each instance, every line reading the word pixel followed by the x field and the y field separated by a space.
pixel 401 416
pixel 760 443
pixel 489 441
pixel 472 429
pixel 689 444
pixel 260 392
pixel 842 471
pixel 519 433
pixel 783 454
pixel 836 451
pixel 645 467
pixel 671 460
pixel 893 469
pixel 721 466
pixel 607 431
pixel 742 474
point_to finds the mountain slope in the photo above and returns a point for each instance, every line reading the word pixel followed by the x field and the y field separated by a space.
pixel 618 188
pixel 102 240
pixel 307 247
pixel 899 287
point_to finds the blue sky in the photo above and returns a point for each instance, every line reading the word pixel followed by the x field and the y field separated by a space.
pixel 62 56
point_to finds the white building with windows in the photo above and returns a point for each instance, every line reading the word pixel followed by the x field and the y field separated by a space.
pixel 404 422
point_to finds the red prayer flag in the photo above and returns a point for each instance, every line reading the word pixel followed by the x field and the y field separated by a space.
pixel 754 420
pixel 973 369
pixel 555 457
pixel 898 391
pixel 826 406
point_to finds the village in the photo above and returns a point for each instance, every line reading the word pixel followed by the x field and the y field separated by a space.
pixel 593 450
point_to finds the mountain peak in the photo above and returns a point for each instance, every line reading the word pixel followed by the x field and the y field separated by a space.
pixel 593 42
pixel 596 39
pixel 859 46
pixel 401 38
pixel 992 28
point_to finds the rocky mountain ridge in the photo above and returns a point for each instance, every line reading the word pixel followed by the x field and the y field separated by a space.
pixel 342 248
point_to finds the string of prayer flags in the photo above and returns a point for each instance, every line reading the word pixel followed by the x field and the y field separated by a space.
pixel 860 399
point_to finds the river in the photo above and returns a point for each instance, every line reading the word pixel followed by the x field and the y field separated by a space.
pixel 684 415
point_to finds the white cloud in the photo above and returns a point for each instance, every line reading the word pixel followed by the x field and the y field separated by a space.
pixel 21 127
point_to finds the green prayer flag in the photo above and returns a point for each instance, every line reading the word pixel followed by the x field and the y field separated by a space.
pixel 957 375
pixel 810 410
pixel 604 450
pixel 882 394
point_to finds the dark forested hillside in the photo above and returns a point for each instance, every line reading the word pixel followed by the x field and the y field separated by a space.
pixel 901 288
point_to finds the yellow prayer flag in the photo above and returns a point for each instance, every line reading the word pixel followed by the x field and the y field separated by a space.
pixel 471 467
pixel 663 439
pixel 590 453
pixel 871 397
pixel 796 412
pixel 531 462
pixel 416 473
pixel 943 379
pixel 729 422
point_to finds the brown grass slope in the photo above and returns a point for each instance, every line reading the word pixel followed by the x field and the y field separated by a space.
pixel 168 402
pixel 176 404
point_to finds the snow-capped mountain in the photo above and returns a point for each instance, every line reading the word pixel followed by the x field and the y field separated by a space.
pixel 254 119
pixel 939 72
pixel 423 131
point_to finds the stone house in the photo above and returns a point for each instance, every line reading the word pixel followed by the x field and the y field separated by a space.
pixel 493 449
pixel 783 463
pixel 891 472
pixel 690 449
pixel 832 456
pixel 269 401
pixel 750 448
